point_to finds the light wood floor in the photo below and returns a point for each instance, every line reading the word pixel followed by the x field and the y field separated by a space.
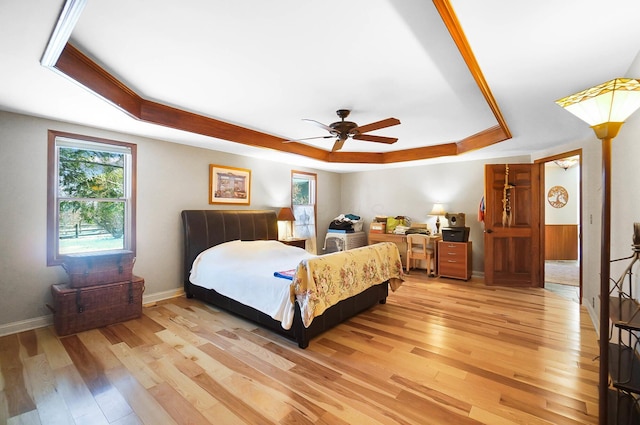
pixel 439 352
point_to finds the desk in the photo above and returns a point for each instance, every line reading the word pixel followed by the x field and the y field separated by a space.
pixel 401 242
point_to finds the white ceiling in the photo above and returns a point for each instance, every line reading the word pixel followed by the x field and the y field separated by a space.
pixel 266 65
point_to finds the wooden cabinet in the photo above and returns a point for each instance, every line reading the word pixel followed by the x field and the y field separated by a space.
pixel 454 259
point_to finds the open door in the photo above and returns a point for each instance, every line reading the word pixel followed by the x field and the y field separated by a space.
pixel 549 238
pixel 513 253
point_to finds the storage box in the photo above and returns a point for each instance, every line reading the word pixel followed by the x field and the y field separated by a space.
pixel 81 309
pixel 97 268
pixel 377 227
pixel 335 242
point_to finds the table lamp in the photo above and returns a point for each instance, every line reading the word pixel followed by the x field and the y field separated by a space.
pixel 438 211
pixel 286 215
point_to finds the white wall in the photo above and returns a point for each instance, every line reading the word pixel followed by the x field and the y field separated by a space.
pixel 412 192
pixel 171 178
pixel 175 177
pixel 625 195
pixel 570 180
pixel 625 202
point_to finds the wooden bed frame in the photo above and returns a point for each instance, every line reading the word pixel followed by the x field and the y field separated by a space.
pixel 206 228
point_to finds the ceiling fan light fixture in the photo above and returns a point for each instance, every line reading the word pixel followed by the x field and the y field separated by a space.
pixel 566 163
pixel 344 130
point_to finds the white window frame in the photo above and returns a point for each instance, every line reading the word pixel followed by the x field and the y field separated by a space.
pixel 59 140
pixel 300 209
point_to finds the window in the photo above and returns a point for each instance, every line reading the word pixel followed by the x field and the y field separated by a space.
pixel 303 200
pixel 91 195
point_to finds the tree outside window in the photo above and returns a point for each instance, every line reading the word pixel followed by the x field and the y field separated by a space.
pixel 91 203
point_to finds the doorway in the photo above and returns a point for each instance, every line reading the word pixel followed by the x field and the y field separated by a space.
pixel 562 224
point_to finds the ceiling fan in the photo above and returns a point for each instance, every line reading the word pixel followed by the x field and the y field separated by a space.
pixel 342 130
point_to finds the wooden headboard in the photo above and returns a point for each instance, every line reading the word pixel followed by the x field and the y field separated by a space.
pixel 206 228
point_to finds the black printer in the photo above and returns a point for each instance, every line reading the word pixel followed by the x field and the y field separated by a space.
pixel 455 234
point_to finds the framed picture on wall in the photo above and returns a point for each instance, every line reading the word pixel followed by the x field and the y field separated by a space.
pixel 229 185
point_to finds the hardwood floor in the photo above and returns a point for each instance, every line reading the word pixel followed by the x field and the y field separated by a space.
pixel 438 352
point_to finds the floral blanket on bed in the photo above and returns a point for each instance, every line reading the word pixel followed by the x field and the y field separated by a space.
pixel 323 281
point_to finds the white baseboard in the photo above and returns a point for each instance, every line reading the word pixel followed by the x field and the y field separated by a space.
pixel 26 325
pixel 594 317
pixel 477 274
pixel 159 296
pixel 43 321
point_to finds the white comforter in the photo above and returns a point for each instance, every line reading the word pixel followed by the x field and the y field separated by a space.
pixel 243 271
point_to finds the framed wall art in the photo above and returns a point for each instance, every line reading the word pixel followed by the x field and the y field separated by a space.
pixel 229 185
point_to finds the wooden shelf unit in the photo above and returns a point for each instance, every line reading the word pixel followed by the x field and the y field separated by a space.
pixel 624 363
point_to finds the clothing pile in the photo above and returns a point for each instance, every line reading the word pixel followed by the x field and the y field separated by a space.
pixel 345 223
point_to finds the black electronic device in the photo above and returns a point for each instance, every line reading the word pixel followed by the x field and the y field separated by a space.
pixel 455 234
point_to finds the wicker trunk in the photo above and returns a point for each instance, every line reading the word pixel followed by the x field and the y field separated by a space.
pixel 81 309
pixel 97 268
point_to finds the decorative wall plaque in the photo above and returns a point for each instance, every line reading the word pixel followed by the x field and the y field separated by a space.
pixel 558 197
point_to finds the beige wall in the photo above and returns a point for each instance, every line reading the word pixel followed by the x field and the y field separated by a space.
pixel 166 170
pixel 171 177
pixel 412 191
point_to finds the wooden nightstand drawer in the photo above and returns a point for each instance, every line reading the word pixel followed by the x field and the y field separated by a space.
pixel 299 242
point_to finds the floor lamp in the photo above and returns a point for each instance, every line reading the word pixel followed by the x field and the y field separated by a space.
pixel 605 108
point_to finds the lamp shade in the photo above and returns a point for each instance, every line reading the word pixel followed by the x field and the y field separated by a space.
pixel 437 210
pixel 286 214
pixel 613 101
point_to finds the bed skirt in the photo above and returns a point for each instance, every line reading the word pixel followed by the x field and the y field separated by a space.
pixel 333 316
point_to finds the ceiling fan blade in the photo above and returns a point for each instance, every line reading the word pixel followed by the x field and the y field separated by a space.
pixel 308 138
pixel 319 124
pixel 338 144
pixel 378 139
pixel 378 125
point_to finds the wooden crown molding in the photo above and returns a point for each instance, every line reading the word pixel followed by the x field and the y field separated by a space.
pixel 80 68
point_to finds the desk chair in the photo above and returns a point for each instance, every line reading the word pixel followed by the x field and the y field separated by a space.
pixel 419 248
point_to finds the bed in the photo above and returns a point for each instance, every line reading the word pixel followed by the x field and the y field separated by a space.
pixel 209 230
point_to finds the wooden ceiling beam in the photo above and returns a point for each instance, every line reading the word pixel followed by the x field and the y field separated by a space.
pixel 80 68
pixel 482 139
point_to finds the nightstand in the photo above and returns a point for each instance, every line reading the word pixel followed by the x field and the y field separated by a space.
pixel 299 242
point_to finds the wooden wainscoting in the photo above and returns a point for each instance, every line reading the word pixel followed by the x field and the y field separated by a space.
pixel 561 242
